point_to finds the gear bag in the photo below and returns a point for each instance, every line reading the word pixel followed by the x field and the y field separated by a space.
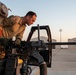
pixel 3 11
pixel 3 15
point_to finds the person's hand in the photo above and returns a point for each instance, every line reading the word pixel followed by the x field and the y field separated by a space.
pixel 2 55
pixel 17 42
pixel 2 52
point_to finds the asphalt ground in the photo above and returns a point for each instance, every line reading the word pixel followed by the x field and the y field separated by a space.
pixel 63 63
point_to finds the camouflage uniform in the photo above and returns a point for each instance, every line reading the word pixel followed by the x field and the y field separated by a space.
pixel 10 27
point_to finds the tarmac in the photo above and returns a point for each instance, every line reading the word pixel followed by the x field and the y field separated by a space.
pixel 63 63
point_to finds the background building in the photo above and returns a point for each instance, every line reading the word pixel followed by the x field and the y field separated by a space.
pixel 72 46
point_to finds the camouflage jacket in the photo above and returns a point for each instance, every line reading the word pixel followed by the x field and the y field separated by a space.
pixel 12 26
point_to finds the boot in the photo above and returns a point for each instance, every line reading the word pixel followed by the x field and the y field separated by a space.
pixel 43 69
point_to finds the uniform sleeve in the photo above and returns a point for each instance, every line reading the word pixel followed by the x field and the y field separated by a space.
pixel 11 28
pixel 10 21
pixel 20 33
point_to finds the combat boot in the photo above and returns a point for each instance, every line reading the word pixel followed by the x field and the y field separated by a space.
pixel 43 69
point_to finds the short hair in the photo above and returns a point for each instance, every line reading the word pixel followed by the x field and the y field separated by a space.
pixel 31 13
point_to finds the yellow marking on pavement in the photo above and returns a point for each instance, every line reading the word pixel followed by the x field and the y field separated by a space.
pixel 37 73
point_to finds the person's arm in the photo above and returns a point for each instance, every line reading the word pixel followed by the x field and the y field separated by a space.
pixel 19 35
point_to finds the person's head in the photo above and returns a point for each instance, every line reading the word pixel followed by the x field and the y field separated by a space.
pixel 30 18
